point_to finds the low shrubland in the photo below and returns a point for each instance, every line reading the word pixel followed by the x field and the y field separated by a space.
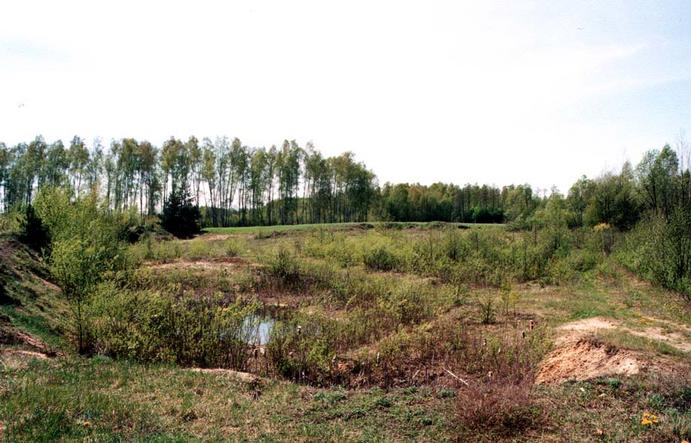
pixel 172 326
pixel 390 311
pixel 481 257
pixel 345 297
pixel 659 250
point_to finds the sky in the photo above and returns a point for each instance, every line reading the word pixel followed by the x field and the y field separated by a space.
pixel 488 92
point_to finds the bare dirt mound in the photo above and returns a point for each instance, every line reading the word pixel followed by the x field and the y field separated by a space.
pixel 586 359
pixel 579 356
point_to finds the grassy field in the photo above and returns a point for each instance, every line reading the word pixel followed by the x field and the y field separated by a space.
pixel 420 332
pixel 336 226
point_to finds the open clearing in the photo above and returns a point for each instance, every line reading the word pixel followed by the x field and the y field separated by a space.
pixel 371 338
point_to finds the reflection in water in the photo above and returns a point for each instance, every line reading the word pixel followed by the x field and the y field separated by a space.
pixel 257 329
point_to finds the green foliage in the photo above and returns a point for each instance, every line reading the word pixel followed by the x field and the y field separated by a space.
pixel 180 217
pixel 86 248
pixel 408 304
pixel 159 326
pixel 441 202
pixel 613 202
pixel 659 250
pixel 233 248
pixel 380 259
pixel 285 268
pixel 487 309
pixel 77 266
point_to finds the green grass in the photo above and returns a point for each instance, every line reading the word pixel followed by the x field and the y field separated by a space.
pixel 36 325
pixel 37 307
pixel 103 399
pixel 122 400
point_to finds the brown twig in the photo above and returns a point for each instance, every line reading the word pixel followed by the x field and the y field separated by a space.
pixel 457 377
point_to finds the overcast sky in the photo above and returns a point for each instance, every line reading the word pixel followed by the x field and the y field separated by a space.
pixel 486 92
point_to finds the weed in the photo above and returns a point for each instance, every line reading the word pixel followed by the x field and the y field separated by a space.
pixel 487 310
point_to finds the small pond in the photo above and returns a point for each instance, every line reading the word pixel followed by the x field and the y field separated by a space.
pixel 258 329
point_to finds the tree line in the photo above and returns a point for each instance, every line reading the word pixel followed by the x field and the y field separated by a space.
pixel 234 184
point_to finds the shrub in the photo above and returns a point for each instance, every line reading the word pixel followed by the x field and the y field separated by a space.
pixel 158 326
pixel 409 304
pixel 285 269
pixel 233 248
pixel 380 259
pixel 454 247
pixel 500 399
pixel 659 250
pixel 86 248
pixel 301 348
pixel 78 265
pixel 502 404
pixel 487 309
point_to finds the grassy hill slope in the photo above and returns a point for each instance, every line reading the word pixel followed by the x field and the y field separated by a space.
pixel 33 315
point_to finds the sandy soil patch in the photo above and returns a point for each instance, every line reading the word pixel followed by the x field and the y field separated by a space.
pixel 579 355
pixel 585 359
pixel 576 330
pixel 675 339
pixel 19 358
pixel 216 237
pixel 202 265
pixel 242 376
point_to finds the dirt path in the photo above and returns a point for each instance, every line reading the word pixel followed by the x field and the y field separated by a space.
pixel 212 264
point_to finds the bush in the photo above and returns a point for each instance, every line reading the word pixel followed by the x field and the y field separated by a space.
pixel 301 349
pixel 659 250
pixel 158 326
pixel 285 269
pixel 487 309
pixel 78 265
pixel 500 400
pixel 501 404
pixel 233 248
pixel 380 259
pixel 409 304
pixel 86 248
